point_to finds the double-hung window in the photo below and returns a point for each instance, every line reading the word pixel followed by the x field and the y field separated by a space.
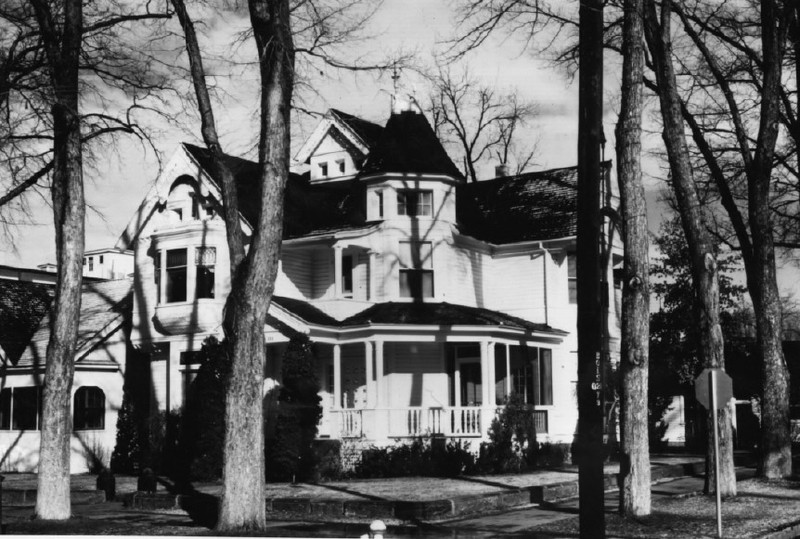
pixel 415 203
pixel 205 260
pixel 89 411
pixel 572 278
pixel 416 269
pixel 176 275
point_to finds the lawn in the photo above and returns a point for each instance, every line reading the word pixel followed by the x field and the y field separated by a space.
pixel 761 507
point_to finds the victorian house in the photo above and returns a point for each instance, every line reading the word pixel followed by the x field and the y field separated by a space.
pixel 430 300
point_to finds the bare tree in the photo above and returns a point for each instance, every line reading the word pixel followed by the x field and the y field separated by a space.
pixel 635 449
pixel 477 119
pixel 726 142
pixel 62 43
pixel 51 60
pixel 275 26
pixel 694 222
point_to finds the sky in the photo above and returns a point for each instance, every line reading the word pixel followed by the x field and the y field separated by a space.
pixel 122 175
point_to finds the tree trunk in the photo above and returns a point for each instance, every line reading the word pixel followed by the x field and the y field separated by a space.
pixel 53 480
pixel 701 245
pixel 243 503
pixel 635 455
pixel 776 448
pixel 590 397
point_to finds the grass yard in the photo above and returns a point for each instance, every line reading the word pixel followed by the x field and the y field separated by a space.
pixel 761 507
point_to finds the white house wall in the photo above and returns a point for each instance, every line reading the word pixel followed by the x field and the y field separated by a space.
pixel 19 450
pixel 416 375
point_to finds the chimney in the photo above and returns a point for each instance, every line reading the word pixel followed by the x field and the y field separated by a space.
pixel 501 170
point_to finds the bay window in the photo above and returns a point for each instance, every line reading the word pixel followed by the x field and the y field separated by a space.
pixel 205 263
pixel 176 275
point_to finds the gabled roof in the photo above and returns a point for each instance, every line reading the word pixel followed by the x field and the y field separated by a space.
pixel 534 206
pixel 23 305
pixel 307 209
pixel 104 308
pixel 408 145
pixel 368 132
pixel 413 313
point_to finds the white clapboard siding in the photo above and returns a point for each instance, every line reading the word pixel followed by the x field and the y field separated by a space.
pixel 322 274
pixel 295 275
pixel 416 375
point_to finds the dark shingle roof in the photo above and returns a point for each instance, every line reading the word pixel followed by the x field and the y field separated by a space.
pixel 368 132
pixel 409 145
pixel 104 308
pixel 532 206
pixel 23 305
pixel 305 311
pixel 413 314
pixel 440 314
pixel 307 209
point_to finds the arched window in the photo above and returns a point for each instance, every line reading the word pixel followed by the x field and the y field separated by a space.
pixel 89 409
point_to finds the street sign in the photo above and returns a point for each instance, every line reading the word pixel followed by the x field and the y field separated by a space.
pixel 714 390
pixel 723 385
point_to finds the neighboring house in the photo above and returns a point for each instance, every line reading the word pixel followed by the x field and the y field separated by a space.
pixel 108 263
pixel 99 370
pixel 429 299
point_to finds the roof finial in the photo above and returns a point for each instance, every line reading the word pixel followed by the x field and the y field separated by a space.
pixel 395 81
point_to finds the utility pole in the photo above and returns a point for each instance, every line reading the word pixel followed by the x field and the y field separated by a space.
pixel 590 390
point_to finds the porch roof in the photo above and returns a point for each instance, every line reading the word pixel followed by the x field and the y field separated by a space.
pixel 414 314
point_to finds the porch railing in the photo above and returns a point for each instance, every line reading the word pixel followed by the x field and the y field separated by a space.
pixel 352 423
pixel 418 421
pixel 465 421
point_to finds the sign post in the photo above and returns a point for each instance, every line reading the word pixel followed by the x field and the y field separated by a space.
pixel 714 389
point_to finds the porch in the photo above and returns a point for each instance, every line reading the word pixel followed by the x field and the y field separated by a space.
pixel 387 390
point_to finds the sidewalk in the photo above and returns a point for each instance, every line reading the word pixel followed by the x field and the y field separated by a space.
pixel 415 498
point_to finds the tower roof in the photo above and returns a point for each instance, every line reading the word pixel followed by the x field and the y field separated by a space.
pixel 409 145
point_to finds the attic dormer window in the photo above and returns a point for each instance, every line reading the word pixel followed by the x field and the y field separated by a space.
pixel 323 170
pixel 415 203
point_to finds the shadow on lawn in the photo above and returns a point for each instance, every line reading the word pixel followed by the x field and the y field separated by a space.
pixel 202 508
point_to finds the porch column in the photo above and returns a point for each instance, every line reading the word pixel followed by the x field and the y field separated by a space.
pixel 508 371
pixel 370 384
pixel 380 387
pixel 485 371
pixel 372 274
pixel 382 414
pixel 337 271
pixel 492 376
pixel 337 377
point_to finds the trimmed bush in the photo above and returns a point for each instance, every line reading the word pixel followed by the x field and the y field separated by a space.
pixel 422 457
pixel 512 443
pixel 290 454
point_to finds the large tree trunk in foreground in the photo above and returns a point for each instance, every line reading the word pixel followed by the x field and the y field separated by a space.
pixel 701 245
pixel 253 278
pixel 590 453
pixel 776 443
pixel 635 457
pixel 53 482
pixel 243 469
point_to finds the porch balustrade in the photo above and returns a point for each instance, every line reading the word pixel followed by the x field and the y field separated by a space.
pixel 464 421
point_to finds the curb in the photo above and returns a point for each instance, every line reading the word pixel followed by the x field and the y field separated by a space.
pixel 432 510
pixel 790 531
pixel 23 497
